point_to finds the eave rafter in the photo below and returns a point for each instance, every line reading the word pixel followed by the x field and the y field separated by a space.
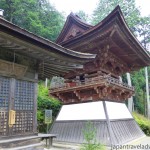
pixel 131 49
pixel 55 64
pixel 115 28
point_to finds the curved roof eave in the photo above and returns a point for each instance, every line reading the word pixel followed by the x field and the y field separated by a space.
pixel 115 13
pixel 29 37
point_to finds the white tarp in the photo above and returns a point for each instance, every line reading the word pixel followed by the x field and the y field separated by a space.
pixel 83 111
pixel 117 110
pixel 93 111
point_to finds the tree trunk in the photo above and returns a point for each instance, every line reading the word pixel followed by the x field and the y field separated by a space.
pixel 147 93
pixel 130 100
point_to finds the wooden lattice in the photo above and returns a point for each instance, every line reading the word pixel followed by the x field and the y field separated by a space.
pixel 24 122
pixel 4 92
pixel 4 101
pixel 24 95
pixel 21 99
pixel 23 105
pixel 3 123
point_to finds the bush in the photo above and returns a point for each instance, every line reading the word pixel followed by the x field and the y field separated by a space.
pixel 143 122
pixel 45 102
pixel 90 138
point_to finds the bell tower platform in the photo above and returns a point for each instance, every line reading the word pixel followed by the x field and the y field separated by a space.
pixel 113 122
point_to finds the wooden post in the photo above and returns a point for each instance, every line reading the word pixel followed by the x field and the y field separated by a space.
pixel 147 93
pixel 50 142
pixel 46 82
pixel 35 104
pixel 11 102
pixel 120 79
pixel 112 141
pixel 47 128
pixel 130 100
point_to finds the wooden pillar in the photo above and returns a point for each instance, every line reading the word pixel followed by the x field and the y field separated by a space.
pixel 112 141
pixel 46 82
pixel 35 104
pixel 11 102
pixel 120 79
pixel 78 80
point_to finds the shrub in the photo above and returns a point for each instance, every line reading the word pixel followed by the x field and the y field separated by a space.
pixel 90 138
pixel 45 102
pixel 143 122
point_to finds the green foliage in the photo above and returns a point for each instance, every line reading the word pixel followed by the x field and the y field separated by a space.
pixel 37 16
pixel 90 138
pixel 45 102
pixel 138 81
pixel 144 30
pixel 131 13
pixel 143 122
pixel 83 15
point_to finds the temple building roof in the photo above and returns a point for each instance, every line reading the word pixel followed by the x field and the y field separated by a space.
pixel 74 26
pixel 113 33
pixel 52 57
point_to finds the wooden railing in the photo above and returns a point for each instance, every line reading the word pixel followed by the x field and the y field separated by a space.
pixel 119 83
pixel 88 82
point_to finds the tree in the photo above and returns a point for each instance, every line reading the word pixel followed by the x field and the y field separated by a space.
pixel 147 93
pixel 37 16
pixel 138 81
pixel 83 15
pixel 131 13
pixel 144 31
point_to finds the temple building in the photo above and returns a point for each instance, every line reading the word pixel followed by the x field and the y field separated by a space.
pixel 26 58
pixel 95 92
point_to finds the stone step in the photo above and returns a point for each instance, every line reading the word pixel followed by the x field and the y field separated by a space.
pixel 37 146
pixel 18 143
pixel 25 141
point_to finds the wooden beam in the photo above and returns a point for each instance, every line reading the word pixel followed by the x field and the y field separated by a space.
pixel 60 66
pixel 51 72
pixel 46 75
pixel 55 69
pixel 64 63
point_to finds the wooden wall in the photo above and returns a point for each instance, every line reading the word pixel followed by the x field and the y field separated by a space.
pixel 18 92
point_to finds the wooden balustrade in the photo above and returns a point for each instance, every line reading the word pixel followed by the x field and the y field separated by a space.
pixel 88 82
